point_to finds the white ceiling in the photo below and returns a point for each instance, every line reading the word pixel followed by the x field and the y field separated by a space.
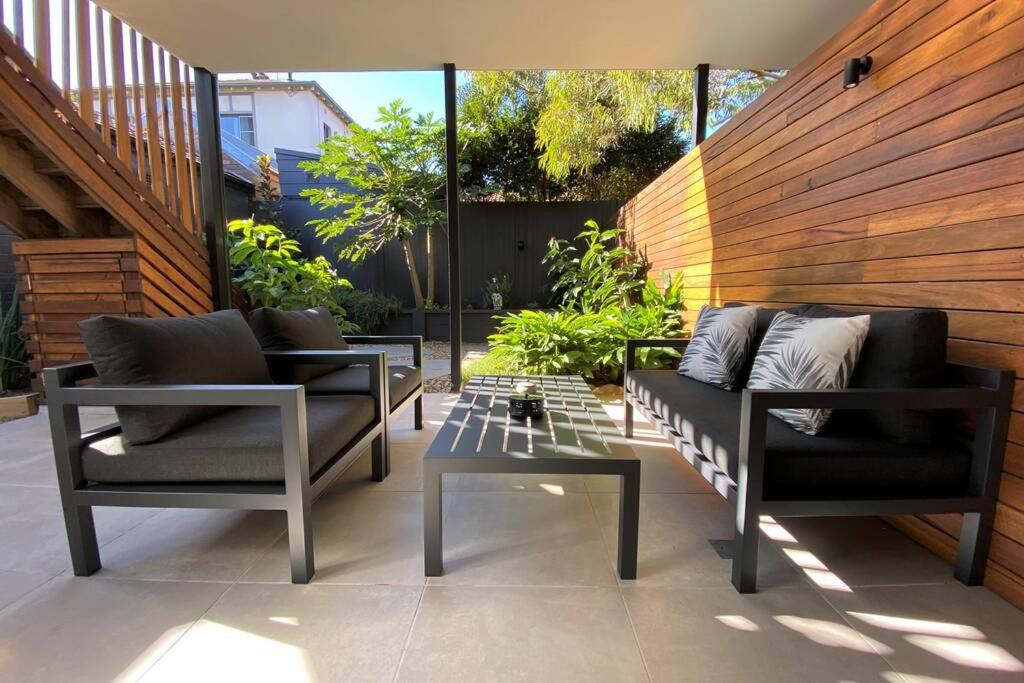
pixel 368 35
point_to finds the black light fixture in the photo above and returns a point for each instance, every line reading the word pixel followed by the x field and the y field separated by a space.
pixel 855 68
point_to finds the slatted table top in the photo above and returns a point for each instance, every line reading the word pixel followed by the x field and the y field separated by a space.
pixel 574 426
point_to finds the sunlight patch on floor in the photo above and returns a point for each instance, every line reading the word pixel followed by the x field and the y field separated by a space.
pixel 968 652
pixel 830 634
pixel 738 622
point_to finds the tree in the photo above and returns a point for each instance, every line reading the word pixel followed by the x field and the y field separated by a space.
pixel 498 115
pixel 391 178
pixel 268 193
pixel 583 114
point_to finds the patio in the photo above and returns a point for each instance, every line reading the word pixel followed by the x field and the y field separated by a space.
pixel 530 590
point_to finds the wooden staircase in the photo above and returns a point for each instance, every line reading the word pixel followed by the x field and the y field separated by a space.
pixel 101 183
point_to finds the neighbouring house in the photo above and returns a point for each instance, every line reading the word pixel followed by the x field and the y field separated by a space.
pixel 270 114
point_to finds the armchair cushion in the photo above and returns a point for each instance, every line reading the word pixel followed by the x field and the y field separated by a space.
pixel 355 379
pixel 240 445
pixel 313 329
pixel 216 348
pixel 834 464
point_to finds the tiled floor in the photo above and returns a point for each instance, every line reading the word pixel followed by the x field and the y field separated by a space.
pixel 529 593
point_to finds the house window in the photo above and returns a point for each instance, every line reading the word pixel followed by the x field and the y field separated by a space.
pixel 239 125
pixel 327 132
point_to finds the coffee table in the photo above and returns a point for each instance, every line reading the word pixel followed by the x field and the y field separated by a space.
pixel 575 436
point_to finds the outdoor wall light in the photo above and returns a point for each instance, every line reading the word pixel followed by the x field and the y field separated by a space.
pixel 855 68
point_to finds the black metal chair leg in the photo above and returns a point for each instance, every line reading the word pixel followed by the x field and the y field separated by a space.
pixel 300 543
pixel 745 542
pixel 972 554
pixel 417 414
pixel 629 420
pixel 379 467
pixel 85 551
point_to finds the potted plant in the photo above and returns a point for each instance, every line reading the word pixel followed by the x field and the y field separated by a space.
pixel 14 401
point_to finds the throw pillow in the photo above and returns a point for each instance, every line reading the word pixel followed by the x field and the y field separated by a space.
pixel 313 329
pixel 720 344
pixel 808 353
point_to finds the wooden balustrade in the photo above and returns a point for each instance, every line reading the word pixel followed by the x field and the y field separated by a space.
pixel 143 114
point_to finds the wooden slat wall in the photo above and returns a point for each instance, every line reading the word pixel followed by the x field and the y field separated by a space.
pixel 905 191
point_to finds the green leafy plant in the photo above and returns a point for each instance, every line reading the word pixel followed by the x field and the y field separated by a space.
pixel 497 284
pixel 604 274
pixel 593 344
pixel 390 179
pixel 369 310
pixel 13 355
pixel 268 193
pixel 268 266
pixel 497 362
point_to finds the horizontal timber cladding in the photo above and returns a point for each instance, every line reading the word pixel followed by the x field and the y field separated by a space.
pixel 63 281
pixel 906 191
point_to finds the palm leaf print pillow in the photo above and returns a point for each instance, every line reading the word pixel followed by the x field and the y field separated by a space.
pixel 720 344
pixel 808 353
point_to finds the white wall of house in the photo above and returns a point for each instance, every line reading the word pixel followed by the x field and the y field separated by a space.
pixel 290 120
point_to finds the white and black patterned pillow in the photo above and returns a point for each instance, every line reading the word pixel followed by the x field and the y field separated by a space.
pixel 719 345
pixel 808 353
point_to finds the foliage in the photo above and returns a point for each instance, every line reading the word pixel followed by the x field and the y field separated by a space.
pixel 604 274
pixel 389 183
pixel 498 118
pixel 369 310
pixel 268 266
pixel 13 355
pixel 496 362
pixel 268 194
pixel 581 115
pixel 498 284
pixel 592 344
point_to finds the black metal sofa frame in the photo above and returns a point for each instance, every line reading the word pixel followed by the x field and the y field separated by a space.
pixel 294 496
pixel 416 397
pixel 987 391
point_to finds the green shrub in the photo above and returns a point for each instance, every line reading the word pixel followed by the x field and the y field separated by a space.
pixel 370 311
pixel 496 362
pixel 269 268
pixel 605 274
pixel 13 356
pixel 593 345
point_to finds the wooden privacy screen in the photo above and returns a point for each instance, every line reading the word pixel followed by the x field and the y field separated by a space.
pixel 905 191
pixel 64 281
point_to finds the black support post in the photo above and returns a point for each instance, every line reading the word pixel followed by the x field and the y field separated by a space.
pixel 451 132
pixel 211 173
pixel 701 76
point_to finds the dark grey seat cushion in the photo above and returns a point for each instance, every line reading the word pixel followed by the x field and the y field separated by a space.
pixel 904 348
pixel 216 348
pixel 832 464
pixel 241 445
pixel 313 329
pixel 355 379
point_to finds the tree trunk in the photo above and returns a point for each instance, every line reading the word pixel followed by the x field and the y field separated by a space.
pixel 431 276
pixel 414 277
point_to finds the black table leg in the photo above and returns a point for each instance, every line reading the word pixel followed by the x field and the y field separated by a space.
pixel 629 521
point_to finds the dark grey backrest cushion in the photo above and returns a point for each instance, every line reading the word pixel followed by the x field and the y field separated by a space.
pixel 216 348
pixel 904 348
pixel 313 329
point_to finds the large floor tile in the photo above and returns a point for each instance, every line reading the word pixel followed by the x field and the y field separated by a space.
pixel 32 536
pixel 675 546
pixel 406 472
pixel 263 632
pixel 861 551
pixel 193 545
pixel 565 634
pixel 14 585
pixel 783 635
pixel 94 630
pixel 523 539
pixel 359 537
pixel 942 632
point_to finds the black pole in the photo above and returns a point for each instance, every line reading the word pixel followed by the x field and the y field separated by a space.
pixel 451 157
pixel 211 172
pixel 701 76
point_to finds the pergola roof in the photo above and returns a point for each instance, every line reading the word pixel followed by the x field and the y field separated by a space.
pixel 367 35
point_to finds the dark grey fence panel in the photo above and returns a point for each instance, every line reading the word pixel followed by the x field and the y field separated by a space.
pixel 497 238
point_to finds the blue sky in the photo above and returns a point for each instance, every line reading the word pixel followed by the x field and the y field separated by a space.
pixel 360 93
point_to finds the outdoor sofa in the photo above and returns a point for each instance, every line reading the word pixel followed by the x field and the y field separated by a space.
pixel 201 424
pixel 895 445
